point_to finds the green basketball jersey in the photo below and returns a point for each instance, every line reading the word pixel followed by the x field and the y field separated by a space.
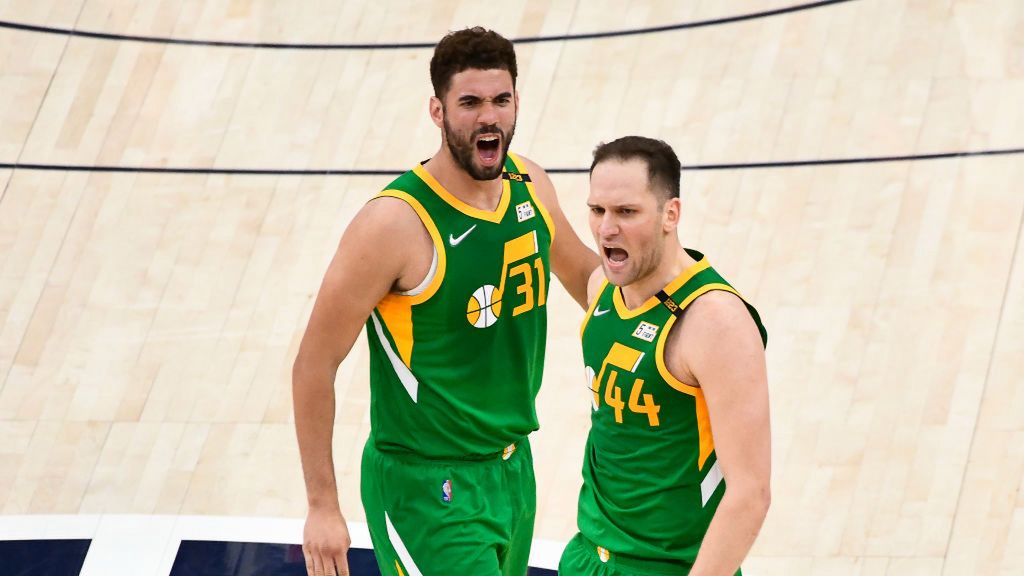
pixel 456 363
pixel 651 481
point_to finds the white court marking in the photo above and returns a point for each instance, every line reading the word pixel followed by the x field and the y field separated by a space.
pixel 124 544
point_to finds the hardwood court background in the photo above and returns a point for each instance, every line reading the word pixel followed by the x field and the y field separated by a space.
pixel 150 320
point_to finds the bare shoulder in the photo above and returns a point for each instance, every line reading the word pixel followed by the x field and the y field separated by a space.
pixel 541 182
pixel 388 215
pixel 531 166
pixel 387 237
pixel 718 313
pixel 716 331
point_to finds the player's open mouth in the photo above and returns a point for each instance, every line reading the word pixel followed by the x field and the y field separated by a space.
pixel 487 148
pixel 615 256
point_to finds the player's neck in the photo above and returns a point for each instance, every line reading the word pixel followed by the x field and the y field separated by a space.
pixel 673 262
pixel 482 194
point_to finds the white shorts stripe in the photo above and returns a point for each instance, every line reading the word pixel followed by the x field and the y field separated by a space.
pixel 400 549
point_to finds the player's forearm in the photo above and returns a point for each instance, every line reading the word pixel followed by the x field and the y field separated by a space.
pixel 313 399
pixel 574 272
pixel 732 532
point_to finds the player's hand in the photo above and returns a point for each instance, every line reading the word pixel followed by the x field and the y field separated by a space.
pixel 325 543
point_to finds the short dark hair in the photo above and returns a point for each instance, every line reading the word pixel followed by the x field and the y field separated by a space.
pixel 663 168
pixel 476 48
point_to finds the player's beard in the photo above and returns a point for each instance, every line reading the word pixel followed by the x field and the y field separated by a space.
pixel 464 150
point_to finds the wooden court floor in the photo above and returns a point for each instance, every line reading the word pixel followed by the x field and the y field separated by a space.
pixel 149 320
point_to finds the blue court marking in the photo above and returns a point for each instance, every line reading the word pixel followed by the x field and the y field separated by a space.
pixel 211 558
pixel 42 557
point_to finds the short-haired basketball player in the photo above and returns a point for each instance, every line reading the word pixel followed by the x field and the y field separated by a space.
pixel 677 464
pixel 449 269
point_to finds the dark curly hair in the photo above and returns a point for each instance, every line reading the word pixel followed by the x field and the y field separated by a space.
pixel 476 48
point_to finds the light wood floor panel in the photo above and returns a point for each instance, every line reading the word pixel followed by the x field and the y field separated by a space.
pixel 323 21
pixel 842 566
pixel 34 218
pixel 988 535
pixel 113 102
pixel 56 467
pixel 150 321
pixel 27 63
pixel 57 13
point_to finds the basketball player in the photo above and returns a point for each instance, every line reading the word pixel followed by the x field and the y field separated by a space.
pixel 449 269
pixel 675 360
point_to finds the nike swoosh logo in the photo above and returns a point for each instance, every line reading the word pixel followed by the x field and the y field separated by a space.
pixel 455 241
pixel 599 312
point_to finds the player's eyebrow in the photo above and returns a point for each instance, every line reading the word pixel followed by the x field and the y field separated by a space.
pixel 473 99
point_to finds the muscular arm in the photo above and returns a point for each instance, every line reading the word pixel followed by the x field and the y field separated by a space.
pixel 571 260
pixel 594 284
pixel 724 354
pixel 372 258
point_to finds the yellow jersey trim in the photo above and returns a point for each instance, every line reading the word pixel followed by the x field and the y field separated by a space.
pixel 471 211
pixel 396 309
pixel 659 353
pixel 396 314
pixel 435 235
pixel 593 306
pixel 521 166
pixel 707 442
pixel 625 313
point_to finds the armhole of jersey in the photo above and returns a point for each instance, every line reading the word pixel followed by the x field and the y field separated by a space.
pixel 426 279
pixel 659 354
pixel 435 276
pixel 593 305
pixel 659 359
pixel 533 195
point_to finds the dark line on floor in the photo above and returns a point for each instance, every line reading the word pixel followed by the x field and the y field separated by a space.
pixel 414 45
pixel 582 170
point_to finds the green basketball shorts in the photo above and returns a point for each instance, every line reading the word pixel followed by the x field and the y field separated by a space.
pixel 450 518
pixel 582 557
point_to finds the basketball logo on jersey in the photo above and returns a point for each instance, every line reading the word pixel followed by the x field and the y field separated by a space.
pixel 595 399
pixel 524 211
pixel 446 491
pixel 603 554
pixel 484 306
pixel 646 331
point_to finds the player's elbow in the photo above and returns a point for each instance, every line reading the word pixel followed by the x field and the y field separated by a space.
pixel 311 371
pixel 754 497
pixel 761 499
pixel 764 500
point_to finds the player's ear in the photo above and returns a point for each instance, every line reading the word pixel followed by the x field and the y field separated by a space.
pixel 671 214
pixel 437 111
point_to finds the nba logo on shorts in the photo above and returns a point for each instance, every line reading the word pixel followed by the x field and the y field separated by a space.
pixel 446 491
pixel 603 554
